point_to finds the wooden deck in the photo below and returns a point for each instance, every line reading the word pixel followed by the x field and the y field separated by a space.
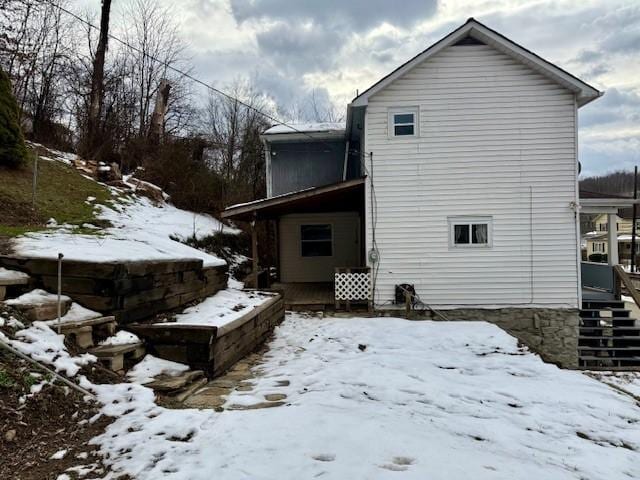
pixel 306 296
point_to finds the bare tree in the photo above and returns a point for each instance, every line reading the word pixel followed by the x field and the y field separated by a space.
pixel 97 81
pixel 158 47
pixel 34 51
pixel 233 132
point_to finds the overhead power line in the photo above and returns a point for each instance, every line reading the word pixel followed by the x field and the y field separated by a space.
pixel 185 74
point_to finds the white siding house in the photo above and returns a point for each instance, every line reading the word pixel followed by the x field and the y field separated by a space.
pixel 494 144
pixel 460 173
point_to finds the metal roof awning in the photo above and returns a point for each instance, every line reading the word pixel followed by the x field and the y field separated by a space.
pixel 342 196
pixel 593 202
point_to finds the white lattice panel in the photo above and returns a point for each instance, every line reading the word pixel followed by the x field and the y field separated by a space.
pixel 353 286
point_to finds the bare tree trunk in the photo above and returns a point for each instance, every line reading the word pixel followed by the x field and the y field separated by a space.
pixel 156 129
pixel 97 80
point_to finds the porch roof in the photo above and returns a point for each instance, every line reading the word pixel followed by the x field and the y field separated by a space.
pixel 342 196
pixel 594 202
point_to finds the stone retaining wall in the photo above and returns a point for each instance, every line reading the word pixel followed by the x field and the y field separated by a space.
pixel 129 290
pixel 550 332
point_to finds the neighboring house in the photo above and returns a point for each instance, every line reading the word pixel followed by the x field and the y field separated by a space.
pixel 597 240
pixel 455 174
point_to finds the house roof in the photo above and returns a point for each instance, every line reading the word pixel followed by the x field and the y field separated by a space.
pixel 305 131
pixel 342 196
pixel 472 28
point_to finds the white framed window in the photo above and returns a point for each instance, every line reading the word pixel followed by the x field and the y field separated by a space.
pixel 316 240
pixel 470 232
pixel 403 122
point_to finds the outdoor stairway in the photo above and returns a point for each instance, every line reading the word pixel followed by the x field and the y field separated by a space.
pixel 85 333
pixel 609 338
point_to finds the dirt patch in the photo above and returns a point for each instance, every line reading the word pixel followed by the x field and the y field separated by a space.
pixel 34 427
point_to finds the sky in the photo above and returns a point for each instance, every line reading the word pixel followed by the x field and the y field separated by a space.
pixel 327 50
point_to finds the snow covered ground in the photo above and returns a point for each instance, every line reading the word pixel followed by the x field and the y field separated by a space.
pixel 141 230
pixel 386 398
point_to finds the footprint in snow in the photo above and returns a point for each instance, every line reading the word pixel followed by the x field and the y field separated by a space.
pixel 324 457
pixel 399 464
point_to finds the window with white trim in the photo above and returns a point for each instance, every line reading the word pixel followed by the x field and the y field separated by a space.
pixel 403 122
pixel 474 231
pixel 316 240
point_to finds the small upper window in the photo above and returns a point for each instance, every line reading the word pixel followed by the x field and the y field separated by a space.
pixel 403 122
pixel 470 231
pixel 316 241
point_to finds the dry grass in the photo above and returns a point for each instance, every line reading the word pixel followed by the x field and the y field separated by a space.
pixel 61 194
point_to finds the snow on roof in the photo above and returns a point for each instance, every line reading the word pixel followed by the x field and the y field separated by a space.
pixel 245 204
pixel 307 128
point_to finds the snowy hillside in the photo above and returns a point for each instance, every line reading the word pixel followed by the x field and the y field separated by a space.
pixel 141 231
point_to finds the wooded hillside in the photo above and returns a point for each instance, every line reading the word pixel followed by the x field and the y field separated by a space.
pixel 116 89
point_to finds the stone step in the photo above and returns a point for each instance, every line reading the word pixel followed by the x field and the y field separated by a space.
pixel 181 395
pixel 113 356
pixel 10 278
pixel 81 332
pixel 172 384
pixel 39 305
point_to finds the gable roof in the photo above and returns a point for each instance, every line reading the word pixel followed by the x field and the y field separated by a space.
pixel 585 93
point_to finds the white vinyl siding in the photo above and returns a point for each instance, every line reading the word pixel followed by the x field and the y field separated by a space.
pixel 496 139
pixel 345 247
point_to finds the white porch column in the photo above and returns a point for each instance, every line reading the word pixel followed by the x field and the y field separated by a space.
pixel 613 239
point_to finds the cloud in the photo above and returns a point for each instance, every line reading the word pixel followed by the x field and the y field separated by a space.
pixel 314 46
pixel 298 49
pixel 357 15
pixel 616 106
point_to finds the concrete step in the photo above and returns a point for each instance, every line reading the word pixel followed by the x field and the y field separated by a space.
pixel 113 356
pixel 39 305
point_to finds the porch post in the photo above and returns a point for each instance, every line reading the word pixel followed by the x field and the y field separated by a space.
pixel 612 239
pixel 254 251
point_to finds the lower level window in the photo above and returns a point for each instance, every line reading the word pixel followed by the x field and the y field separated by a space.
pixel 316 240
pixel 470 231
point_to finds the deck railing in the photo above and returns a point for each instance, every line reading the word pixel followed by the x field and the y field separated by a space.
pixel 598 276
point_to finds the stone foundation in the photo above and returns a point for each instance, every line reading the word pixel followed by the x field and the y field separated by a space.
pixel 550 332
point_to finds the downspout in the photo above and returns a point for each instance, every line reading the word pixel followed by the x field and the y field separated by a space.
pixel 267 166
pixel 346 161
